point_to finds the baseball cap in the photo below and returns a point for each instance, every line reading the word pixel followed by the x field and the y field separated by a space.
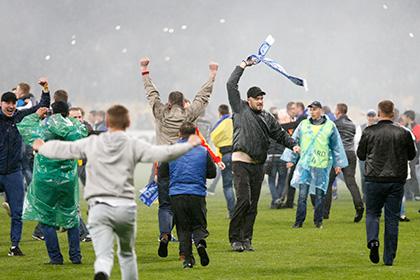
pixel 8 97
pixel 254 92
pixel 315 104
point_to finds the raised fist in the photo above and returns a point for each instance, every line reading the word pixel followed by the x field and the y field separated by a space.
pixel 144 62
pixel 43 81
pixel 213 66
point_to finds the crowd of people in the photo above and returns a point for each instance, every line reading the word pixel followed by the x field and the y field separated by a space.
pixel 46 148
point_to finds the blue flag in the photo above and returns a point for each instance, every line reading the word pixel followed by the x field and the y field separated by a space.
pixel 149 194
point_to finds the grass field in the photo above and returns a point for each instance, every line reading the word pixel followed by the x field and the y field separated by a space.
pixel 338 251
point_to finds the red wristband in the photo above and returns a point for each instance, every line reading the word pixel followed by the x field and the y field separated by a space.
pixel 144 73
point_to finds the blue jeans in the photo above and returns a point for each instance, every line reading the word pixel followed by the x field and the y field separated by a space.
pixel 165 214
pixel 227 183
pixel 301 208
pixel 378 196
pixel 277 183
pixel 53 247
pixel 14 189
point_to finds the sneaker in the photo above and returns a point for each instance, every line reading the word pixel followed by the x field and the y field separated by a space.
pixel 15 251
pixel 38 237
pixel 163 246
pixel 404 219
pixel 183 258
pixel 187 265
pixel 86 238
pixel 101 276
pixel 201 249
pixel 374 251
pixel 237 246
pixel 297 225
pixel 248 246
pixel 359 215
pixel 6 207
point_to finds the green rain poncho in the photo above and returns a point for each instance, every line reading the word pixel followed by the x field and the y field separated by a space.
pixel 53 195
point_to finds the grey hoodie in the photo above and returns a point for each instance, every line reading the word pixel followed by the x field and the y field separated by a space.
pixel 112 157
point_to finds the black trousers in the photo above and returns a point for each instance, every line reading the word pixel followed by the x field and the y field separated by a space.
pixel 247 179
pixel 349 179
pixel 190 215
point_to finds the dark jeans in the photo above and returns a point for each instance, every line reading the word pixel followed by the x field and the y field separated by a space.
pixel 276 178
pixel 301 208
pixel 412 185
pixel 165 214
pixel 247 179
pixel 53 247
pixel 14 189
pixel 349 179
pixel 290 198
pixel 227 183
pixel 378 196
pixel 190 215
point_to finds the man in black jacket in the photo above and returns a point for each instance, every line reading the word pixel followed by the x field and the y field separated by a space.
pixel 347 131
pixel 11 177
pixel 252 129
pixel 386 149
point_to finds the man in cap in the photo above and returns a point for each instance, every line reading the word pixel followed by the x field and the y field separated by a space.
pixel 11 177
pixel 322 150
pixel 252 129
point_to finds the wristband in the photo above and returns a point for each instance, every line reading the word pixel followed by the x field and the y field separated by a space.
pixel 144 73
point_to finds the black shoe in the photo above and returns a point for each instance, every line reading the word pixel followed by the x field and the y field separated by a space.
pixel 237 246
pixel 85 238
pixel 326 217
pixel 201 249
pixel 359 215
pixel 101 276
pixel 374 251
pixel 38 237
pixel 297 225
pixel 15 251
pixel 187 265
pixel 163 246
pixel 319 225
pixel 404 219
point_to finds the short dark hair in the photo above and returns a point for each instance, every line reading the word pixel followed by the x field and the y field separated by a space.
pixel 61 95
pixel 118 117
pixel 386 107
pixel 223 109
pixel 301 105
pixel 187 129
pixel 410 114
pixel 290 104
pixel 60 107
pixel 176 98
pixel 342 108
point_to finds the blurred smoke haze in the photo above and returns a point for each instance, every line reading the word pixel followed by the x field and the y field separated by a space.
pixel 356 52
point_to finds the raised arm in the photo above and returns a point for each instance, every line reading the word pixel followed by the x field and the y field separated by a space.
pixel 44 102
pixel 232 85
pixel 151 153
pixel 198 105
pixel 152 93
pixel 62 149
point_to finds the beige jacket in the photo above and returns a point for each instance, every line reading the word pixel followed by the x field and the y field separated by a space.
pixel 169 120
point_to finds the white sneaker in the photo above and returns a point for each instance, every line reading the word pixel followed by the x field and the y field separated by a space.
pixel 6 207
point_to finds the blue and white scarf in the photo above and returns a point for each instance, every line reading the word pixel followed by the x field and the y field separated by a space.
pixel 260 57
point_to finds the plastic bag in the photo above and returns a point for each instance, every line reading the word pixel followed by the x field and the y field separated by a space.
pixel 53 195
